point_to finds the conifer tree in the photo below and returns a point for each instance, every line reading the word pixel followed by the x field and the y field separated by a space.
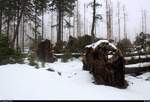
pixel 63 7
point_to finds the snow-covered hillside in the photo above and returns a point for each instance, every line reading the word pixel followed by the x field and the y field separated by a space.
pixel 68 82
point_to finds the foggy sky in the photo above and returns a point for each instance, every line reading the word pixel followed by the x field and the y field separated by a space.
pixel 133 10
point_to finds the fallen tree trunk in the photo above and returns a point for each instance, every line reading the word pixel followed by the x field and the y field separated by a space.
pixel 135 70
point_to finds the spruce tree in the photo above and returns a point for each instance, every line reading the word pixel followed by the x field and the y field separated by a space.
pixel 63 7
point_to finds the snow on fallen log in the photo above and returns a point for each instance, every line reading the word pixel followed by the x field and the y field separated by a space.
pixel 138 65
pixel 94 45
pixel 137 68
pixel 138 57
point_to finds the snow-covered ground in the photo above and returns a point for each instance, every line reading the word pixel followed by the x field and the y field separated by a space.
pixel 68 82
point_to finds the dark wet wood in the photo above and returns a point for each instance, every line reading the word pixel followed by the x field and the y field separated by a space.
pixel 105 71
pixel 44 52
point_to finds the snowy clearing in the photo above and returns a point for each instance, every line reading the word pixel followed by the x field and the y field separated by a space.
pixel 68 82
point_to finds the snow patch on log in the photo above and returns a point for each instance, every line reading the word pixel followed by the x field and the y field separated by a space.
pixel 94 45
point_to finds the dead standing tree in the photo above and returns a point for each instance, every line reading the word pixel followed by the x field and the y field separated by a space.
pixel 106 63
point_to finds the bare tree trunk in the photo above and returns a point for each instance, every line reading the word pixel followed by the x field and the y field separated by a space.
pixel 42 23
pixel 69 27
pixel 119 21
pixel 93 23
pixel 59 32
pixel 145 25
pixel 14 24
pixel 95 30
pixel 84 17
pixel 74 27
pixel 8 27
pixel 59 26
pixel 17 36
pixel 142 22
pixel 35 30
pixel 110 22
pixel 1 14
pixel 112 26
pixel 23 31
pixel 109 19
pixel 125 32
pixel 52 18
pixel 62 25
pixel 145 21
pixel 78 19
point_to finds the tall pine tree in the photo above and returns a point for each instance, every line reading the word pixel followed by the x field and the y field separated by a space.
pixel 63 7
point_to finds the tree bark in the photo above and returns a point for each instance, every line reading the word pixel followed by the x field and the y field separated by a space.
pixel 42 23
pixel 35 30
pixel 93 23
pixel 59 23
pixel 52 31
pixel 62 30
pixel 8 26
pixel 69 27
pixel 119 29
pixel 17 43
pixel 74 27
pixel 23 30
pixel 1 14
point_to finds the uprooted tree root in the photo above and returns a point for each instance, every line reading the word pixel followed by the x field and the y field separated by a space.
pixel 105 70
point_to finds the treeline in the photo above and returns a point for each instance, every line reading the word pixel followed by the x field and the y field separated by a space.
pixel 12 14
pixel 139 46
pixel 15 12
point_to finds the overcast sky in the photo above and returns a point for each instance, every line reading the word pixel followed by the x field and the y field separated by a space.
pixel 133 10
